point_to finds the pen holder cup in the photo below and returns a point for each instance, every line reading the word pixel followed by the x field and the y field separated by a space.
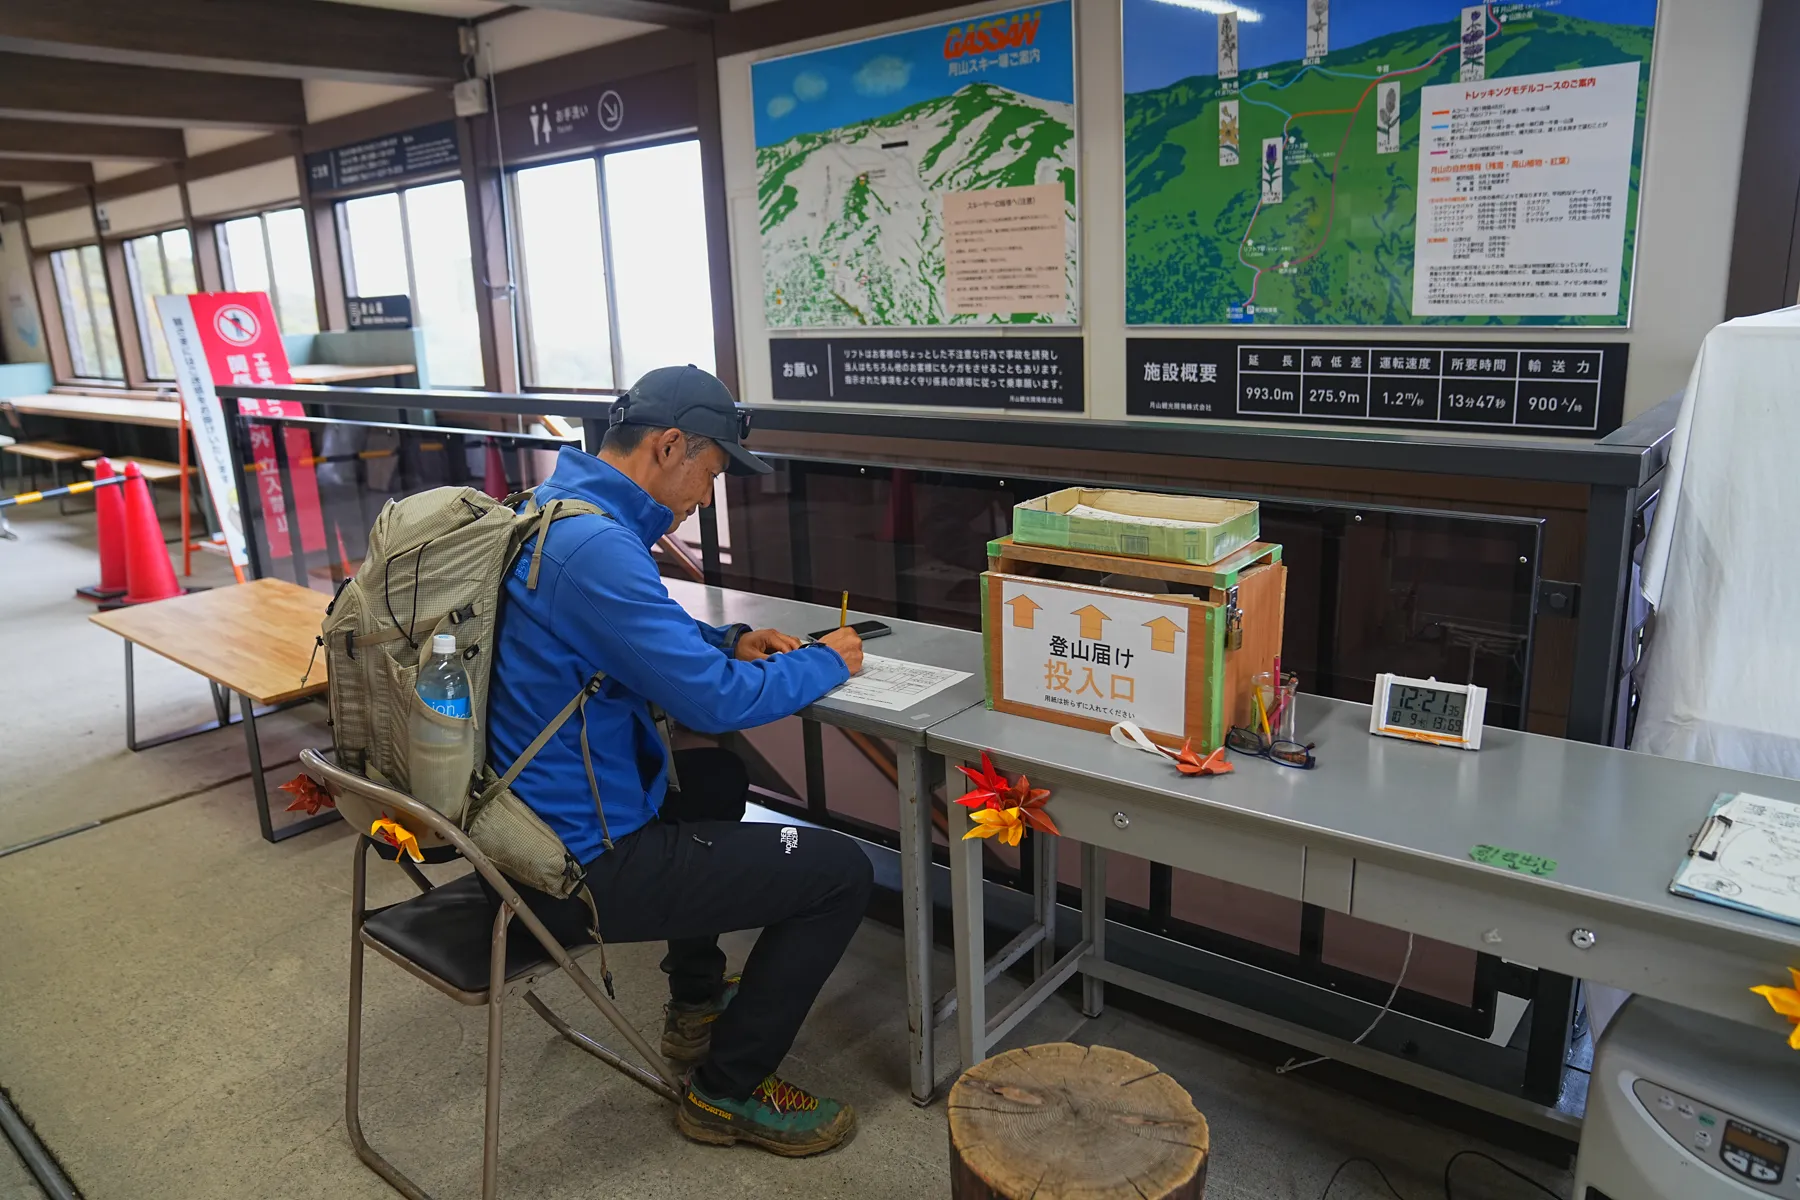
pixel 1277 707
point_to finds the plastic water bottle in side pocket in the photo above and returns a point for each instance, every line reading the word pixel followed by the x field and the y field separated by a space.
pixel 441 731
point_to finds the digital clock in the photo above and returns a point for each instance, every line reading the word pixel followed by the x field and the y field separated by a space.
pixel 1424 710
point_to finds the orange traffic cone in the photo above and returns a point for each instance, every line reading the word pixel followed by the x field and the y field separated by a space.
pixel 109 511
pixel 494 478
pixel 149 573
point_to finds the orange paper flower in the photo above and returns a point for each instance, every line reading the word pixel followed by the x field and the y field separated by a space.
pixel 1189 763
pixel 397 836
pixel 308 796
pixel 1003 823
pixel 1785 1001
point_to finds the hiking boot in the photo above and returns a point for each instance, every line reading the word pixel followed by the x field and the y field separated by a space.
pixel 777 1116
pixel 687 1028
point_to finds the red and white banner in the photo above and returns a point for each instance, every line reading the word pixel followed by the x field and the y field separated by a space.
pixel 232 338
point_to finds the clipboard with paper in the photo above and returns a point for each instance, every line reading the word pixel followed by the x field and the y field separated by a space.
pixel 1746 856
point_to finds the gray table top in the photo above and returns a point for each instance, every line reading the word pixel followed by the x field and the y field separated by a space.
pixel 1616 822
pixel 911 641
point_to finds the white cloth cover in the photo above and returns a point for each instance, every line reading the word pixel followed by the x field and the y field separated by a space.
pixel 1722 567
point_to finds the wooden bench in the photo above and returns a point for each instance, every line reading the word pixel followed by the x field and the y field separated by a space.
pixel 54 453
pixel 254 639
pixel 154 470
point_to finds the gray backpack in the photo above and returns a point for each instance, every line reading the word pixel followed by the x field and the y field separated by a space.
pixel 436 563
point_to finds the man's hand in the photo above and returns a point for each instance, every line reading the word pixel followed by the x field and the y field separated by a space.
pixel 848 646
pixel 760 643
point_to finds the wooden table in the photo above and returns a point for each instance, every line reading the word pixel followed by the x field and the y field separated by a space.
pixel 255 639
pixel 164 414
pixel 337 373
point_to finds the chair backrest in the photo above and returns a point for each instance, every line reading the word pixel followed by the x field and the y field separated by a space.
pixel 362 802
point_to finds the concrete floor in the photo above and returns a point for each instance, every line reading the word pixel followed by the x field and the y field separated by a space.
pixel 172 994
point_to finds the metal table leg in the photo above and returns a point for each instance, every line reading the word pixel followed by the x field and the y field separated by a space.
pixel 916 916
pixel 221 699
pixel 967 907
pixel 1043 900
pixel 254 747
pixel 1093 924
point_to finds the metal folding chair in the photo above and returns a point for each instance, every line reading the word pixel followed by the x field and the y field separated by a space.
pixel 445 937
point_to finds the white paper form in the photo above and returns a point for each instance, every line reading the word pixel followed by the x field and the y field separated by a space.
pixel 895 685
pixel 1747 856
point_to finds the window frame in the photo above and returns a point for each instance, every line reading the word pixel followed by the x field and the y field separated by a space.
pixel 222 247
pixel 521 311
pixel 65 310
pixel 143 319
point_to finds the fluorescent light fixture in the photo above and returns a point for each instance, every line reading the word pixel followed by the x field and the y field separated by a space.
pixel 1248 16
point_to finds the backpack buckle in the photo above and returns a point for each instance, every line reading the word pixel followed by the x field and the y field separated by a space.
pixel 593 685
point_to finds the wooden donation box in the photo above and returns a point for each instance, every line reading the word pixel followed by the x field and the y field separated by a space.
pixel 1088 639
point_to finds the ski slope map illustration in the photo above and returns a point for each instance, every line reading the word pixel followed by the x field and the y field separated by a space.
pixel 1383 162
pixel 858 145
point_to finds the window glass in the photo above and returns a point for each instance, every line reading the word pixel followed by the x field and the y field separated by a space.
pixel 245 257
pixel 657 227
pixel 290 260
pixel 443 293
pixel 270 253
pixel 377 246
pixel 159 264
pixel 562 274
pixel 86 305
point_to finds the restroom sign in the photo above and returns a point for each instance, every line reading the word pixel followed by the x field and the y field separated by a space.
pixel 1094 655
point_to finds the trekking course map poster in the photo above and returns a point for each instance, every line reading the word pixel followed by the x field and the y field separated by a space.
pixel 1383 162
pixel 922 178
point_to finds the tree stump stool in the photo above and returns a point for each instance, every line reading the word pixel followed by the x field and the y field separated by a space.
pixel 1061 1122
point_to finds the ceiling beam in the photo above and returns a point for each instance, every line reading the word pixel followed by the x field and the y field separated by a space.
pixel 39 170
pixel 651 12
pixel 62 139
pixel 60 89
pixel 294 39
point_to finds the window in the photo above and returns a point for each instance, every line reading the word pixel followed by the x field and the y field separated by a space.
pixel 415 243
pixel 271 253
pixel 612 266
pixel 657 222
pixel 161 264
pixel 86 305
pixel 562 272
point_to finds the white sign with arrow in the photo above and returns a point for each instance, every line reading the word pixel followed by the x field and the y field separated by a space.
pixel 1095 652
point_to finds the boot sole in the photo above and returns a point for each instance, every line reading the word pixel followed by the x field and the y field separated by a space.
pixel 722 1137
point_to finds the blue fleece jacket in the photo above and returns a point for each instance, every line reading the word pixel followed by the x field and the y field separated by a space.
pixel 600 605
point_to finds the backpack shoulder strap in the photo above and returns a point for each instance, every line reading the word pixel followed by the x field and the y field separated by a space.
pixel 539 521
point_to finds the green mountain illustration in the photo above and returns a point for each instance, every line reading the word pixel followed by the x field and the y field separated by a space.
pixel 1186 215
pixel 851 218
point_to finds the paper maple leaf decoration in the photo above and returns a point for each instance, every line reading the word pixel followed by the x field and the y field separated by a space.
pixel 1189 763
pixel 397 836
pixel 308 796
pixel 1785 1001
pixel 1021 803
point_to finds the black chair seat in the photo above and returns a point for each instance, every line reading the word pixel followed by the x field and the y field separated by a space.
pixel 448 932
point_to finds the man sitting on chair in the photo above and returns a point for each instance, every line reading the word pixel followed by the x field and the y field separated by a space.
pixel 669 857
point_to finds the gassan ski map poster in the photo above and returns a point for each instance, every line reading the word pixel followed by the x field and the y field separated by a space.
pixel 922 178
pixel 1383 162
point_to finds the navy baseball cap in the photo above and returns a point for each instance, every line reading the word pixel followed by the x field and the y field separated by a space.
pixel 693 401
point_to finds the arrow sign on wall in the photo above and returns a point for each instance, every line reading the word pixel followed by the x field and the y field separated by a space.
pixel 1091 621
pixel 1162 634
pixel 1024 611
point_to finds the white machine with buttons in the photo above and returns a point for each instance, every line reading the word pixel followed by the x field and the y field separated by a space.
pixel 1685 1106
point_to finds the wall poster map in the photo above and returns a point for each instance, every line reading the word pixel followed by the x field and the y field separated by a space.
pixel 922 178
pixel 1383 162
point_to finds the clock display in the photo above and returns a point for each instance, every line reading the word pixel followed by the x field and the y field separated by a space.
pixel 1428 710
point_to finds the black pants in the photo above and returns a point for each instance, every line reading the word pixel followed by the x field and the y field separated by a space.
pixel 701 871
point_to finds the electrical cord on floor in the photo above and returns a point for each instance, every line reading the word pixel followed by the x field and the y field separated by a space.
pixel 1448 1194
pixel 1291 1065
pixel 1372 1165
